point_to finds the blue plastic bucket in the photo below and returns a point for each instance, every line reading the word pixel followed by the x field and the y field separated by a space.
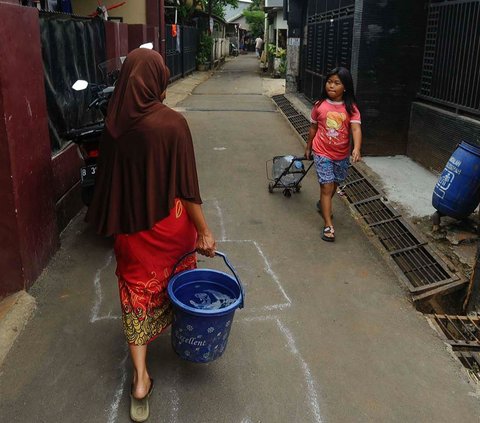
pixel 457 192
pixel 204 302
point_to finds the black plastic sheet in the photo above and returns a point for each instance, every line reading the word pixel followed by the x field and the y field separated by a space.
pixel 72 49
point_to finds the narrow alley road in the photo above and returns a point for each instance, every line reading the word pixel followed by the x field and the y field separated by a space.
pixel 326 335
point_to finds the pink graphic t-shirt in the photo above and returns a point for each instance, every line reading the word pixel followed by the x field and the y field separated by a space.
pixel 332 139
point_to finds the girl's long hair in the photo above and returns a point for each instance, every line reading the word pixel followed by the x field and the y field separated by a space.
pixel 347 81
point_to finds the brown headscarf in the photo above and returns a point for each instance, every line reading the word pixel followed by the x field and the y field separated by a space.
pixel 146 153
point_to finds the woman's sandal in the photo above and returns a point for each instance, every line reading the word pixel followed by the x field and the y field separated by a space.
pixel 139 408
pixel 328 230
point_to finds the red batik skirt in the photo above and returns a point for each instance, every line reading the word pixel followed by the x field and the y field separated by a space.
pixel 144 263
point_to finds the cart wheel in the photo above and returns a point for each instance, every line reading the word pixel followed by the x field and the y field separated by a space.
pixel 287 193
pixel 298 188
pixel 270 187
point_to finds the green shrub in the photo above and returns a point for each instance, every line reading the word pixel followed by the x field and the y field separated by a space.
pixel 279 52
pixel 204 51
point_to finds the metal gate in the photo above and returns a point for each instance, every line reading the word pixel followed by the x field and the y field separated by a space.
pixel 181 50
pixel 452 55
pixel 329 41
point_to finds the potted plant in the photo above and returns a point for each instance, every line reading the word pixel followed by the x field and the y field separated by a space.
pixel 204 52
pixel 279 59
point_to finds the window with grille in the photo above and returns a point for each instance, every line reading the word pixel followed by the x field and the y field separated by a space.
pixel 451 62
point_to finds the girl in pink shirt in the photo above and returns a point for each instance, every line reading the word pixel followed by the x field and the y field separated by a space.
pixel 333 118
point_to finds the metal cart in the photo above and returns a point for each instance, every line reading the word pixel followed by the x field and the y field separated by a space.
pixel 286 173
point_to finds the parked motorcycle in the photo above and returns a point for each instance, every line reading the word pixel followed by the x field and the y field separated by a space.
pixel 88 137
pixel 233 50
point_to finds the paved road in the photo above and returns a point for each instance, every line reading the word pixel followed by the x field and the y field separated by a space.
pixel 327 334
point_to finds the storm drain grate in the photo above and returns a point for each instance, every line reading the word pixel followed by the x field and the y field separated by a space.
pixel 375 211
pixel 471 361
pixel 360 190
pixel 395 236
pixel 459 331
pixel 420 268
pixel 299 122
pixel 281 100
pixel 462 333
pixel 353 175
pixel 290 112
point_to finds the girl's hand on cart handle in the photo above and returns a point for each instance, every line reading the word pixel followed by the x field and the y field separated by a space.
pixel 356 157
pixel 206 244
pixel 308 153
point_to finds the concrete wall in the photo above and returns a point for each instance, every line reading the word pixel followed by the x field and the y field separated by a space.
pixel 133 12
pixel 435 133
pixel 279 22
pixel 28 228
pixel 117 39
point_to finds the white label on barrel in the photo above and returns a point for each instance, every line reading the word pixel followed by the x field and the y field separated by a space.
pixel 445 180
pixel 455 161
pixel 453 166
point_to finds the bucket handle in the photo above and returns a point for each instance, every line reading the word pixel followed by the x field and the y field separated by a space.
pixel 229 265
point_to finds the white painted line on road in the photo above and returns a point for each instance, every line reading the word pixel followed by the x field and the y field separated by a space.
pixel 175 401
pixel 113 411
pixel 220 218
pixel 256 319
pixel 312 392
pixel 94 317
pixel 277 306
pixel 109 316
pixel 269 270
pixel 267 308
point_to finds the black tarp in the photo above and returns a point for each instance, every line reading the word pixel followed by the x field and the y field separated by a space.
pixel 72 49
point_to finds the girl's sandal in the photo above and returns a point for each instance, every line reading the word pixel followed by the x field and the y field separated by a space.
pixel 331 234
pixel 139 408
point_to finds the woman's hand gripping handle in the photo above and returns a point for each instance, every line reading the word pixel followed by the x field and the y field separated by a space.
pixel 205 244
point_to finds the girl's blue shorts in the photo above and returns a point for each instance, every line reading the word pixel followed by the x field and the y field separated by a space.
pixel 329 170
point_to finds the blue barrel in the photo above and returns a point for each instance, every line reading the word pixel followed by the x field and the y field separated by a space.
pixel 204 303
pixel 457 192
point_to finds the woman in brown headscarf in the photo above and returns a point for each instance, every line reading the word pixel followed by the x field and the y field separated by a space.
pixel 147 197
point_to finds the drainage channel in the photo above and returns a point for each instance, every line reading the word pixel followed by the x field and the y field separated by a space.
pixel 462 333
pixel 422 270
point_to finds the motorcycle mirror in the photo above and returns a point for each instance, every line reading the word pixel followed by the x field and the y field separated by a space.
pixel 80 85
pixel 147 45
